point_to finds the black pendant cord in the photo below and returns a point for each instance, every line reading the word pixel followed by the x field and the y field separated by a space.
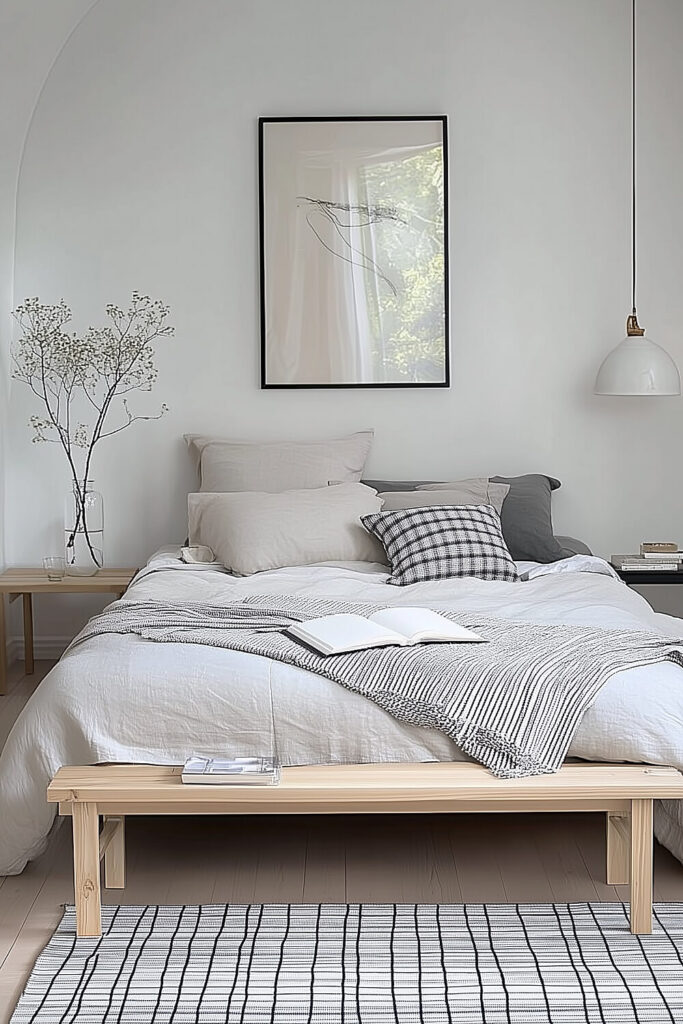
pixel 633 157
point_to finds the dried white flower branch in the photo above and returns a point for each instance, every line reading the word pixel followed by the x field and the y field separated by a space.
pixel 97 370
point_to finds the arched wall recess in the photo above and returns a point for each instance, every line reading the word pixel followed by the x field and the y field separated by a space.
pixel 32 37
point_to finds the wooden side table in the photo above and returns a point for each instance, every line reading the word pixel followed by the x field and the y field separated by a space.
pixel 25 583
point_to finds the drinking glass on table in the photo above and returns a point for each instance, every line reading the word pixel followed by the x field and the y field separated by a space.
pixel 55 567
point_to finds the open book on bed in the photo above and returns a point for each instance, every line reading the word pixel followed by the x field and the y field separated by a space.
pixel 395 627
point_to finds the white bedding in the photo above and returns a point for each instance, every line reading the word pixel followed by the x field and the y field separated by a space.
pixel 120 698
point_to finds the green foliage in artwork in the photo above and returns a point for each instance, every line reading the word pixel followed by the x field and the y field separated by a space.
pixel 408 321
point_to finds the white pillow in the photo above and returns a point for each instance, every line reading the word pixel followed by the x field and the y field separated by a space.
pixel 275 466
pixel 253 531
pixel 460 492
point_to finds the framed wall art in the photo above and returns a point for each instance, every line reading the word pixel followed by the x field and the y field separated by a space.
pixel 354 252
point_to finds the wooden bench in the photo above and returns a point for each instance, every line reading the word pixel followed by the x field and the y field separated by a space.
pixel 624 792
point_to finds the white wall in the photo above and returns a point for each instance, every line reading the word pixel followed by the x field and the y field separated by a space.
pixel 140 171
pixel 32 33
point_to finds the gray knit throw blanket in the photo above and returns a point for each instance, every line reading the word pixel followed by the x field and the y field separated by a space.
pixel 513 704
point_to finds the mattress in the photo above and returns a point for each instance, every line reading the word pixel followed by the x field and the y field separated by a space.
pixel 124 699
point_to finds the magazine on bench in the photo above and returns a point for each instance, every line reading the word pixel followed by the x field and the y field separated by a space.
pixel 235 771
pixel 396 627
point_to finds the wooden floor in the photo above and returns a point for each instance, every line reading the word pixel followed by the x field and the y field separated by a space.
pixel 472 858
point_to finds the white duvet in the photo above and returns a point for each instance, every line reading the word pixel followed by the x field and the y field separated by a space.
pixel 120 698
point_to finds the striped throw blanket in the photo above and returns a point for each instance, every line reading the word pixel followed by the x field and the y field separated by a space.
pixel 512 704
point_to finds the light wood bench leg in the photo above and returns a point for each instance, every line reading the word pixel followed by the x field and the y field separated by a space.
pixel 641 867
pixel 115 857
pixel 87 869
pixel 29 666
pixel 618 849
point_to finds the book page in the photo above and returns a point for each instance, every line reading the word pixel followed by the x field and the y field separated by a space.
pixel 417 624
pixel 344 632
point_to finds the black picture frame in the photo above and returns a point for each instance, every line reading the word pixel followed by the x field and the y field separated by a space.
pixel 266 384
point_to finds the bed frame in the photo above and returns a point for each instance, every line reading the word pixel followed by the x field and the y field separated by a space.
pixel 623 792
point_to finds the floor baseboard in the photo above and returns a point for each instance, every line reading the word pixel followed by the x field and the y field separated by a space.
pixel 44 647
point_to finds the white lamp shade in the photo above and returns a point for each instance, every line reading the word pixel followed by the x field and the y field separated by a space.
pixel 638 366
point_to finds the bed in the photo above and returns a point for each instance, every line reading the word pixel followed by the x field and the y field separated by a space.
pixel 118 698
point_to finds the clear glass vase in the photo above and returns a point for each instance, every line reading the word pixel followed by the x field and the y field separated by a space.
pixel 84 530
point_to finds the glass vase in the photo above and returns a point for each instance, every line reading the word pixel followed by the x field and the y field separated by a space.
pixel 84 530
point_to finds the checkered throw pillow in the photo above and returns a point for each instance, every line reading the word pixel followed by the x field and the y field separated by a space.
pixel 443 541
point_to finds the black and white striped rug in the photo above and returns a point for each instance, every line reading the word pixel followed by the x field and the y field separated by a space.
pixel 361 964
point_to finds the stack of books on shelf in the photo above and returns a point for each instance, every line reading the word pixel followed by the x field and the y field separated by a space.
pixel 655 556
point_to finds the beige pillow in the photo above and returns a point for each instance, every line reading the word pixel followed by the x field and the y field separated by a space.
pixel 252 531
pixel 275 466
pixel 459 492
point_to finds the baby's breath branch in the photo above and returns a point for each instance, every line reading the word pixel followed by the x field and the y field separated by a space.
pixel 97 370
pixel 131 418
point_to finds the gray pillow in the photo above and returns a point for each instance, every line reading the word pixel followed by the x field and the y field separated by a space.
pixel 571 546
pixel 465 492
pixel 526 515
pixel 274 466
pixel 253 531
pixel 527 519
pixel 397 485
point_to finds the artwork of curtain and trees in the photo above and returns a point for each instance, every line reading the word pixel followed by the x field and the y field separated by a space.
pixel 354 255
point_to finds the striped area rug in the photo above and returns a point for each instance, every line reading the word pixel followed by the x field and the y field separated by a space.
pixel 361 964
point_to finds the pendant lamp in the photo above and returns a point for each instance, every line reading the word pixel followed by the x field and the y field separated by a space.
pixel 637 366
